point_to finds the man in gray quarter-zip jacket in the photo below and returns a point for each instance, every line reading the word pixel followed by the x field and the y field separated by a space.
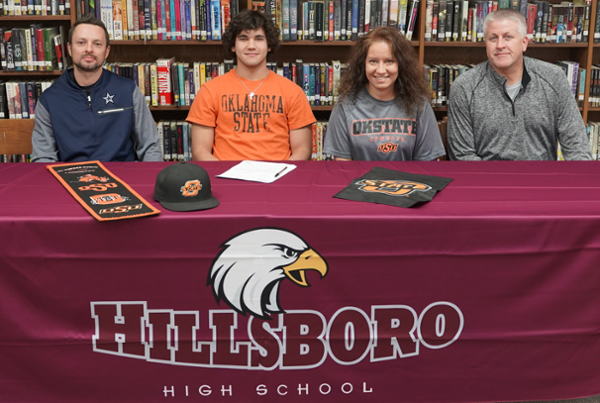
pixel 513 107
pixel 90 113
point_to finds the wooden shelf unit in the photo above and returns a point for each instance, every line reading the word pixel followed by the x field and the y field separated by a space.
pixel 15 134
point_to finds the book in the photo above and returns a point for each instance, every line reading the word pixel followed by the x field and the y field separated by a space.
pixel 293 19
pixel 456 20
pixel 60 52
pixel 393 20
pixel 581 90
pixel 343 20
pixel 124 9
pixel 414 11
pixel 586 22
pixel 285 27
pixel 3 101
pixel 209 17
pixel 354 20
pixel 331 17
pixel 319 15
pixel 337 74
pixel 117 19
pixel 373 15
pixel 531 18
pixel 441 32
pixel 147 12
pixel 597 26
pixel 166 145
pixel 464 20
pixel 449 19
pixel 24 100
pixel 186 26
pixel 429 20
pixel 402 15
pixel 337 20
pixel 10 100
pixel 173 140
pixel 165 89
pixel 50 59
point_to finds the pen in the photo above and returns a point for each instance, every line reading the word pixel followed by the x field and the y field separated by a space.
pixel 280 172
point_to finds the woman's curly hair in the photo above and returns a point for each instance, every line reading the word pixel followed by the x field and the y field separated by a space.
pixel 250 20
pixel 410 89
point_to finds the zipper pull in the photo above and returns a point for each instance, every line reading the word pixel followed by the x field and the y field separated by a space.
pixel 89 101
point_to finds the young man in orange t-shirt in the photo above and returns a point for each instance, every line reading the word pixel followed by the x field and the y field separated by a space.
pixel 251 113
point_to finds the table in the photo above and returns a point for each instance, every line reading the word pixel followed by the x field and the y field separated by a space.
pixel 491 292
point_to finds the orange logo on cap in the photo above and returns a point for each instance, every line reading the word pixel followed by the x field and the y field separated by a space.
pixel 394 188
pixel 191 188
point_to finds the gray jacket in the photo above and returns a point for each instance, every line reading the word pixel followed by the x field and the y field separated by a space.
pixel 485 124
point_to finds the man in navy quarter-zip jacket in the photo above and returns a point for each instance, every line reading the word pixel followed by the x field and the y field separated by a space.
pixel 513 107
pixel 90 113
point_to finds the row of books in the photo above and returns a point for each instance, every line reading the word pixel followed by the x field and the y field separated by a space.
pixel 18 98
pixel 441 76
pixel 35 7
pixel 32 49
pixel 338 20
pixel 462 20
pixel 162 19
pixel 175 138
pixel 168 82
pixel 320 81
pixel 318 134
pixel 576 78
pixel 594 96
pixel 593 130
pixel 15 158
pixel 597 26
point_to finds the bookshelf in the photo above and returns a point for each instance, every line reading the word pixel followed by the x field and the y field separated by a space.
pixel 129 51
pixel 310 51
pixel 15 134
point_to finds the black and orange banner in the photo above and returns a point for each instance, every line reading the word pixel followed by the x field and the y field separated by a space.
pixel 102 194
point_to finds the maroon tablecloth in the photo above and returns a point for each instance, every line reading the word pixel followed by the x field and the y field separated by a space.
pixel 491 292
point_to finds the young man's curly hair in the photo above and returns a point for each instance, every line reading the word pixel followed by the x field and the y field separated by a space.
pixel 250 20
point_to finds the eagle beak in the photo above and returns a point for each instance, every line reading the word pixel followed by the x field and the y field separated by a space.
pixel 309 260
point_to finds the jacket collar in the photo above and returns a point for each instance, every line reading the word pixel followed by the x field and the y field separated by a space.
pixel 501 80
pixel 70 77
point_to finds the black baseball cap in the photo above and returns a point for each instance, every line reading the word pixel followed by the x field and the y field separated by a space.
pixel 184 187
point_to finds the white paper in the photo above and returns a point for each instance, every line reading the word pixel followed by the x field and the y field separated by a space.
pixel 258 171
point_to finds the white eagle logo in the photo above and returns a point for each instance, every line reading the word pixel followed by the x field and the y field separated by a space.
pixel 247 273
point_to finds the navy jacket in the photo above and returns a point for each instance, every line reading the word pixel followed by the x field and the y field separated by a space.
pixel 113 123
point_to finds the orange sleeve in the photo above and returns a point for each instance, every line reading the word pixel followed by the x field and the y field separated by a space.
pixel 203 112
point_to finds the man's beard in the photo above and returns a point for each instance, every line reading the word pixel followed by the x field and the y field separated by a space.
pixel 89 67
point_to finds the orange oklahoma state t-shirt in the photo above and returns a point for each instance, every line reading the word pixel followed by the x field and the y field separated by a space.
pixel 251 129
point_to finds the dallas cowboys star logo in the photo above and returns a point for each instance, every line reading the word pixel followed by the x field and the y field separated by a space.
pixel 109 98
